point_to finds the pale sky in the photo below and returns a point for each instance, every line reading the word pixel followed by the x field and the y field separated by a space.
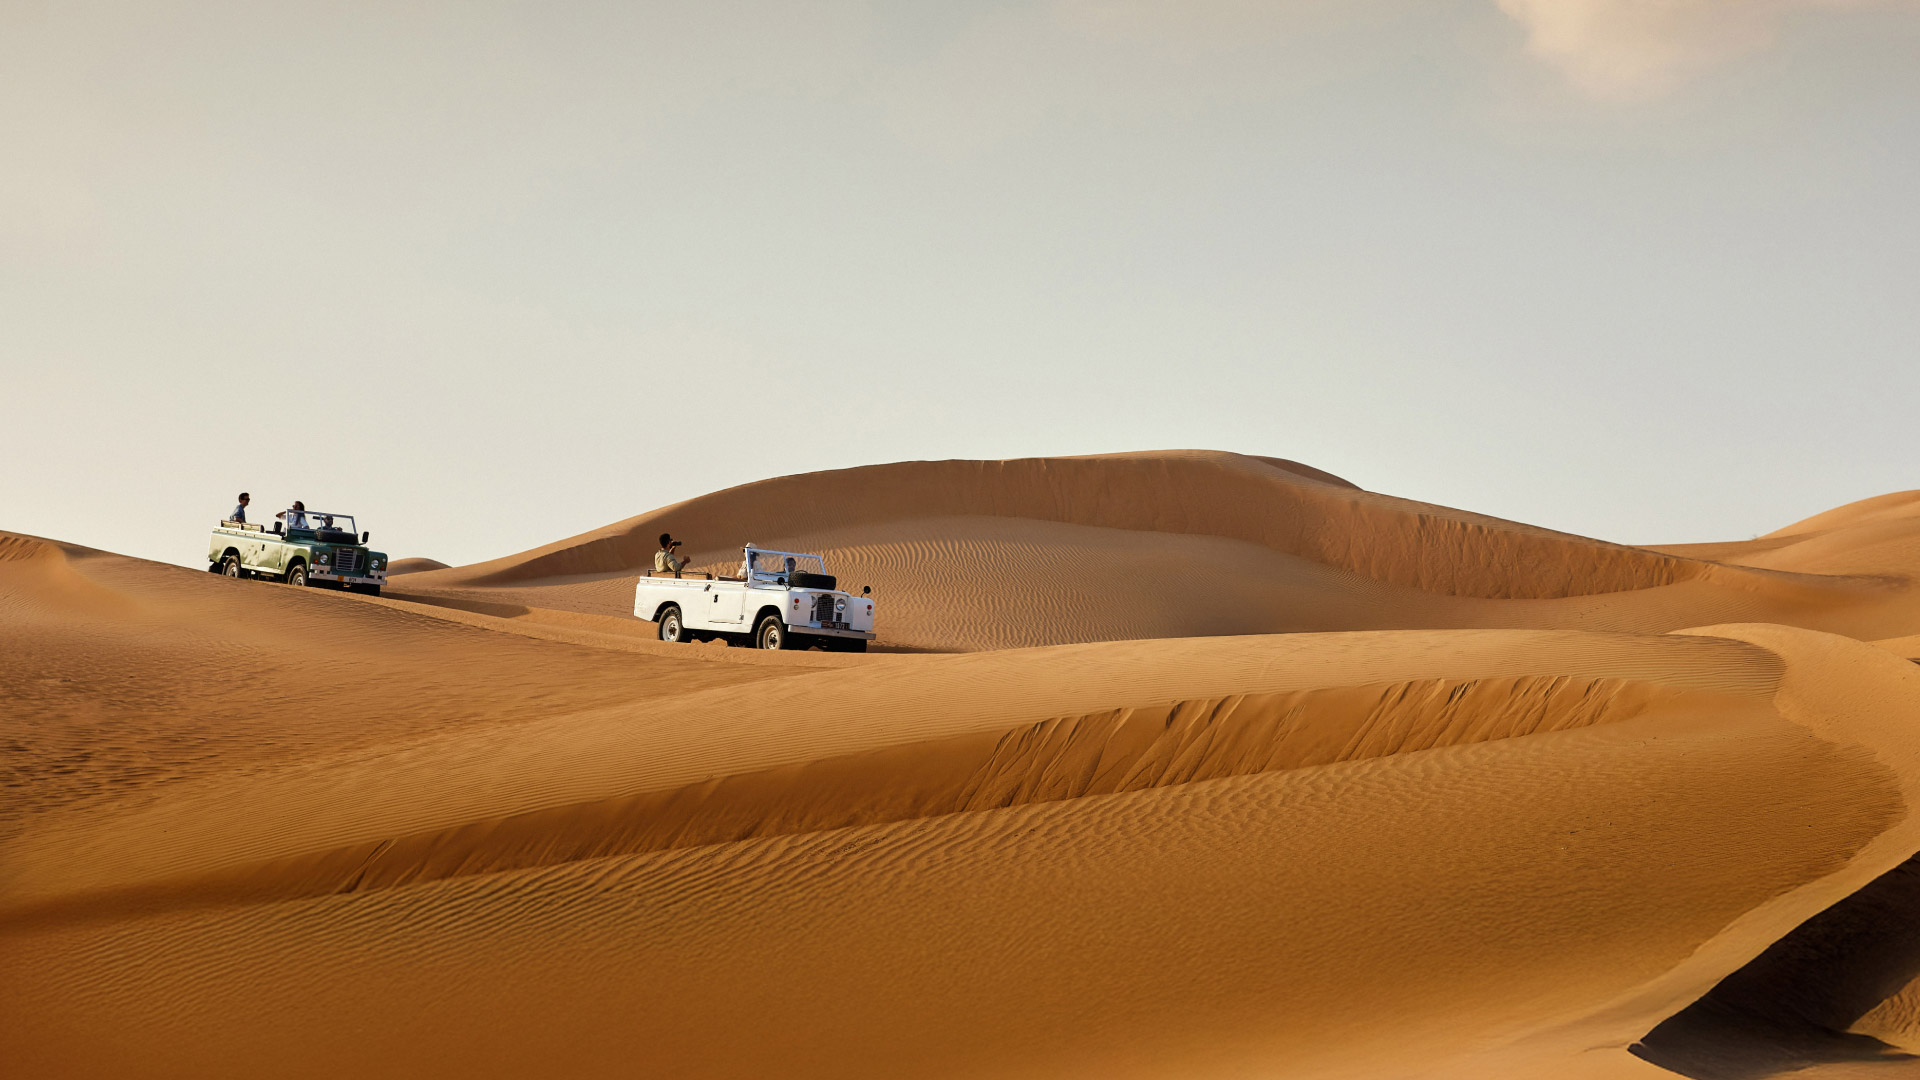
pixel 490 274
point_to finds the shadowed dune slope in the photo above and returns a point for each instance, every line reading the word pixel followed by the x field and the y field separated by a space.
pixel 967 555
pixel 506 847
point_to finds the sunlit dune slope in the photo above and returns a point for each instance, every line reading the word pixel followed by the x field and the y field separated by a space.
pixel 1873 537
pixel 119 674
pixel 1438 853
pixel 982 555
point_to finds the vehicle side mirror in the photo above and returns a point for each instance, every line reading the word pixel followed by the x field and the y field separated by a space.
pixel 365 536
pixel 866 590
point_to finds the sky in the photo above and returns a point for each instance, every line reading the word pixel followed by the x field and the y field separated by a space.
pixel 489 274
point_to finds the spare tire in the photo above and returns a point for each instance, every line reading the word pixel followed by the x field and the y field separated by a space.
pixel 800 579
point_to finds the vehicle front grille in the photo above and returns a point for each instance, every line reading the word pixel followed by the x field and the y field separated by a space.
pixel 346 561
pixel 823 608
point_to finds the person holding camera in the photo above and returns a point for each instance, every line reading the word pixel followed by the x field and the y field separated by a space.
pixel 668 557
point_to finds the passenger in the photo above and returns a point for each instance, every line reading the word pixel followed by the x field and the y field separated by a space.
pixel 296 518
pixel 667 558
pixel 240 512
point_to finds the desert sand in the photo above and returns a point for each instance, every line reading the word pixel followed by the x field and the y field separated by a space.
pixel 1174 764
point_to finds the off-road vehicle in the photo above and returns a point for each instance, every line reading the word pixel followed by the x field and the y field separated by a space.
pixel 779 600
pixel 301 548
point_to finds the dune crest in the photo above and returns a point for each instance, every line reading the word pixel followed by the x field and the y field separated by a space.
pixel 1278 505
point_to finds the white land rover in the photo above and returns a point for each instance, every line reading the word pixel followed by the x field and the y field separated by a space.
pixel 780 600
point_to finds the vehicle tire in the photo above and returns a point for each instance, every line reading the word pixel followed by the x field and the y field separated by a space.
pixel 847 645
pixel 671 628
pixel 772 634
pixel 297 576
pixel 371 590
pixel 230 566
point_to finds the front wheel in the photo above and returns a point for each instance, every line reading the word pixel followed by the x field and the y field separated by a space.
pixel 297 576
pixel 771 634
pixel 671 628
pixel 846 645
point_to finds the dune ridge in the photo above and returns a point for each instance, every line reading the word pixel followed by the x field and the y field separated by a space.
pixel 1011 554
pixel 1275 504
pixel 1059 758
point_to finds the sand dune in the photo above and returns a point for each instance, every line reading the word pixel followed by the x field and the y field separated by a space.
pixel 989 555
pixel 1444 826
pixel 414 566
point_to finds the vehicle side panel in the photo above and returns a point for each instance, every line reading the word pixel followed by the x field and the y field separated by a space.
pixel 733 606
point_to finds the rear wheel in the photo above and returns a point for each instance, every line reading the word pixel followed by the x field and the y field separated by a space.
pixel 771 634
pixel 297 575
pixel 671 628
pixel 230 566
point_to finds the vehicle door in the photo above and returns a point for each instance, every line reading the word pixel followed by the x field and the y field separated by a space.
pixel 254 553
pixel 726 603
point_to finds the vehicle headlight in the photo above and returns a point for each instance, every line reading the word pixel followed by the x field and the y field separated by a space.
pixel 324 557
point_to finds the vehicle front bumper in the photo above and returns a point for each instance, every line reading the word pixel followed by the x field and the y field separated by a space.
pixel 344 579
pixel 828 631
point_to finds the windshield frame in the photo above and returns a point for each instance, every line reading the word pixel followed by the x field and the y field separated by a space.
pixel 804 563
pixel 315 521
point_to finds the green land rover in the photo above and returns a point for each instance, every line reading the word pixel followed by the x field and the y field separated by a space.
pixel 302 548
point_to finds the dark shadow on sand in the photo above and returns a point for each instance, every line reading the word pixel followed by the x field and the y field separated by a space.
pixel 1791 1007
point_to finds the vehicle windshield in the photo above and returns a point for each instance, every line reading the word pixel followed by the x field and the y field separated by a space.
pixel 317 520
pixel 774 565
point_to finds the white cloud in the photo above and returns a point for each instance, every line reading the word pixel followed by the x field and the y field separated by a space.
pixel 1627 49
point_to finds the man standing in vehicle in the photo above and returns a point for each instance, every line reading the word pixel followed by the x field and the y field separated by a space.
pixel 240 512
pixel 667 558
